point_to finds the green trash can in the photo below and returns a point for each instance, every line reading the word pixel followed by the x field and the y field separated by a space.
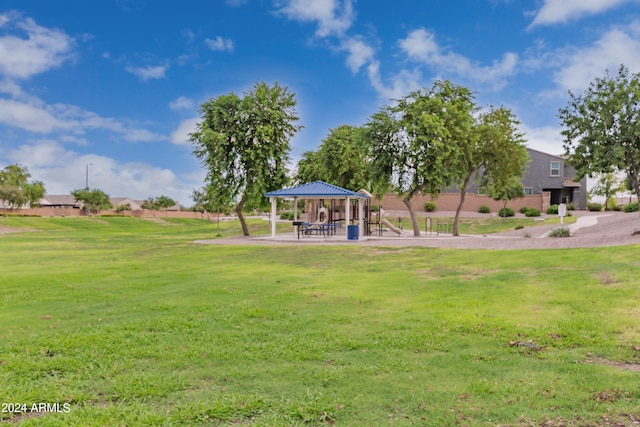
pixel 352 232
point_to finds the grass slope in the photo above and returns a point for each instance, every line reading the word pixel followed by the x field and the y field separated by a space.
pixel 130 323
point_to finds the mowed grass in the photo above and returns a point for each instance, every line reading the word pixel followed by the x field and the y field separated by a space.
pixel 131 323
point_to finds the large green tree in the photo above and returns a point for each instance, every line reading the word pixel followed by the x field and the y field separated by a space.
pixel 602 127
pixel 340 160
pixel 608 185
pixel 493 151
pixel 95 199
pixel 414 146
pixel 16 189
pixel 244 144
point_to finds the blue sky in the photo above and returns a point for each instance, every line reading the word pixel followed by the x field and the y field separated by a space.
pixel 116 84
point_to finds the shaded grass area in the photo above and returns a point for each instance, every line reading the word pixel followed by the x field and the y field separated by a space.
pixel 132 324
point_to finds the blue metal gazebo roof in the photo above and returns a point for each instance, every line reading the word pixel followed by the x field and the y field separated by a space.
pixel 316 190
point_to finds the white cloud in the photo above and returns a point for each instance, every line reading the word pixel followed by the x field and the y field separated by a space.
pixel 547 139
pixel 148 72
pixel 581 66
pixel 31 49
pixel 181 134
pixel 63 170
pixel 33 115
pixel 359 53
pixel 34 118
pixel 333 17
pixel 422 47
pixel 182 103
pixel 558 11
pixel 400 85
pixel 220 44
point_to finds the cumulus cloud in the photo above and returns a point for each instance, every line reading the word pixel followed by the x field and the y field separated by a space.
pixel 220 44
pixel 547 139
pixel 63 170
pixel 620 44
pixel 559 11
pixel 181 134
pixel 148 72
pixel 182 103
pixel 333 17
pixel 358 53
pixel 398 86
pixel 33 115
pixel 27 49
pixel 421 46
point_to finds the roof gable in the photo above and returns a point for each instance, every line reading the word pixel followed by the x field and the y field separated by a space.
pixel 317 190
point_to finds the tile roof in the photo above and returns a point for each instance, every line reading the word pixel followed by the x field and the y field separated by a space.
pixel 316 189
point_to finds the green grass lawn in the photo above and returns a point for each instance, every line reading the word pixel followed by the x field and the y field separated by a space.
pixel 130 323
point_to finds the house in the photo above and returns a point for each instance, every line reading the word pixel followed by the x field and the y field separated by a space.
pixel 549 177
pixel 64 201
pixel 554 179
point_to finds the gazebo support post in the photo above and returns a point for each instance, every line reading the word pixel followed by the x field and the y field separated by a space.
pixel 274 207
pixel 295 213
pixel 347 217
pixel 360 220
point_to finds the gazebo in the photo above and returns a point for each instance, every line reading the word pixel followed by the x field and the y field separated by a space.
pixel 317 190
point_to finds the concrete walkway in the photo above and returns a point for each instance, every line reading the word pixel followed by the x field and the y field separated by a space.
pixel 581 222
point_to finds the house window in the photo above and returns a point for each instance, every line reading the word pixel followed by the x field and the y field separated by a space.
pixel 528 191
pixel 555 168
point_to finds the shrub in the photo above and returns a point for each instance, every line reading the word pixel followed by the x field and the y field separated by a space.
pixel 552 210
pixel 484 209
pixel 523 209
pixel 375 208
pixel 631 207
pixel 617 208
pixel 532 212
pixel 594 207
pixel 429 206
pixel 504 212
pixel 572 206
pixel 286 216
pixel 560 232
pixel 519 227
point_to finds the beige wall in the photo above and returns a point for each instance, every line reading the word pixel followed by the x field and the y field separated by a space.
pixel 450 201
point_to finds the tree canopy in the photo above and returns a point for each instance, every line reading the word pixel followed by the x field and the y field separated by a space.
pixel 158 203
pixel 601 127
pixel 244 144
pixel 494 153
pixel 16 189
pixel 94 198
pixel 340 160
pixel 414 146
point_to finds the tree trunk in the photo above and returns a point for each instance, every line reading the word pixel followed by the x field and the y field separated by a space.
pixel 243 223
pixel 636 182
pixel 463 193
pixel 412 214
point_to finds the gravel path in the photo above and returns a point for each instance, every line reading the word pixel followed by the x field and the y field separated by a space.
pixel 592 229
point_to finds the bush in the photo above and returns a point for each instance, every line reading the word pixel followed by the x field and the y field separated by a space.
pixel 484 209
pixel 560 232
pixel 286 216
pixel 519 227
pixel 374 208
pixel 572 206
pixel 504 212
pixel 552 210
pixel 631 207
pixel 523 209
pixel 429 206
pixel 532 212
pixel 594 207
